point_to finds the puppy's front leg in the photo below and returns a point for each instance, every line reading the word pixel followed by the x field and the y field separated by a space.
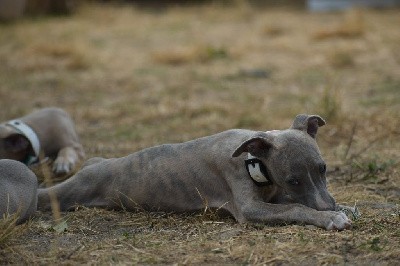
pixel 66 160
pixel 262 212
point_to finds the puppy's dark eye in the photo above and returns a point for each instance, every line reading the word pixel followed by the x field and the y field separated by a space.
pixel 293 181
pixel 322 168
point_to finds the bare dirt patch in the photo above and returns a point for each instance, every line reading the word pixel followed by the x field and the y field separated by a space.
pixel 133 78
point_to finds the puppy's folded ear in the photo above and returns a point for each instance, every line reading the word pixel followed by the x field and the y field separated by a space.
pixel 308 123
pixel 16 143
pixel 258 145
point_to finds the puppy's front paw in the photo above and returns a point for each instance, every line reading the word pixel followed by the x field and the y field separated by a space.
pixel 66 161
pixel 63 165
pixel 337 221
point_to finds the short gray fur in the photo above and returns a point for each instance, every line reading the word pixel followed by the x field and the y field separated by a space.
pixel 209 172
pixel 18 190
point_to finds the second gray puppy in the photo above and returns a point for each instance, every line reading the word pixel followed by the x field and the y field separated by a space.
pixel 18 190
pixel 49 131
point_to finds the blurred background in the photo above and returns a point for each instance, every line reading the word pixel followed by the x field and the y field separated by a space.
pixel 135 74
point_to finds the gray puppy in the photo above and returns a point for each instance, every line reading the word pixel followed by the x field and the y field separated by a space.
pixel 18 190
pixel 264 177
pixel 49 132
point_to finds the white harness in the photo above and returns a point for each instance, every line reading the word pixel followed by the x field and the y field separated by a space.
pixel 28 132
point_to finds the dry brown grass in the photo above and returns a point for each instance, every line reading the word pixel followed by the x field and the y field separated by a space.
pixel 352 25
pixel 199 54
pixel 133 78
pixel 8 228
pixel 341 59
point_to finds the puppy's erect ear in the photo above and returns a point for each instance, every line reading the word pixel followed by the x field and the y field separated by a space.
pixel 257 146
pixel 16 143
pixel 308 123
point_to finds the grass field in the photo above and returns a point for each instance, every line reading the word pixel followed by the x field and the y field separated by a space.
pixel 136 77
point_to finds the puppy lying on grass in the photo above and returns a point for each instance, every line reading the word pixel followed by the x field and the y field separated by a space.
pixel 48 132
pixel 264 177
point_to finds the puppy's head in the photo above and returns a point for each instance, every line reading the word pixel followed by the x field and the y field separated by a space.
pixel 13 145
pixel 293 162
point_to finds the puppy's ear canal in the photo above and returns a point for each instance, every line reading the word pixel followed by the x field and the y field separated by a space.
pixel 308 123
pixel 257 146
